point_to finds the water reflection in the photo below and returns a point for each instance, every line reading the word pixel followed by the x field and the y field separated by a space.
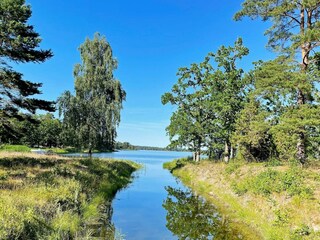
pixel 190 217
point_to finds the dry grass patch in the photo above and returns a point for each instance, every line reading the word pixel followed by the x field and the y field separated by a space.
pixel 51 196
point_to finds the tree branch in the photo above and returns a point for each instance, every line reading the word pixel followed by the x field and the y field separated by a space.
pixel 292 17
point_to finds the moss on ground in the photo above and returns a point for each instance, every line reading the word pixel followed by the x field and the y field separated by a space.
pixel 265 202
pixel 54 197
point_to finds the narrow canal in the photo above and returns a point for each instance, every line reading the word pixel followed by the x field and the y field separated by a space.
pixel 157 206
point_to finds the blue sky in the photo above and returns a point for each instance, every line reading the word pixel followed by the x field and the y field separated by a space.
pixel 151 39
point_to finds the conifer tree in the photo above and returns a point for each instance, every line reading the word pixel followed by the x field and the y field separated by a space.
pixel 295 29
pixel 18 43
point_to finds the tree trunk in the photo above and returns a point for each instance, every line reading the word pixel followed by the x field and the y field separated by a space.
pixel 226 152
pixel 198 150
pixel 301 146
pixel 198 153
pixel 305 48
pixel 231 153
pixel 90 152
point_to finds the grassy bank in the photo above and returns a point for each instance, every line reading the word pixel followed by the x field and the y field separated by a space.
pixel 54 197
pixel 14 148
pixel 265 202
pixel 56 150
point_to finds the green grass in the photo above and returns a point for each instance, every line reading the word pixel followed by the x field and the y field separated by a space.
pixel 14 148
pixel 176 164
pixel 264 201
pixel 70 150
pixel 52 197
pixel 272 181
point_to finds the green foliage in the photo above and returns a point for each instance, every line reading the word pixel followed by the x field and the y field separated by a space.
pixel 273 162
pixel 287 32
pixel 19 44
pixel 252 133
pixel 46 132
pixel 286 87
pixel 272 181
pixel 91 116
pixel 286 132
pixel 208 101
pixel 271 124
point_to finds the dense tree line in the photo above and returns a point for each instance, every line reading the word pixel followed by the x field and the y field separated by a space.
pixel 269 112
pixel 46 132
pixel 129 146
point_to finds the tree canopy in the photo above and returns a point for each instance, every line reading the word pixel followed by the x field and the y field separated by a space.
pixel 207 101
pixel 94 112
pixel 19 44
pixel 295 31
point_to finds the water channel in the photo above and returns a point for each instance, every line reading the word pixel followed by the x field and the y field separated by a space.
pixel 157 206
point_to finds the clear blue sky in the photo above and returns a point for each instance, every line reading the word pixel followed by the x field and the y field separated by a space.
pixel 150 38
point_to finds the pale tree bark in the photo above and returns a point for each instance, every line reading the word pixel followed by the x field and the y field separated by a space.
pixel 226 152
pixel 198 153
pixel 231 152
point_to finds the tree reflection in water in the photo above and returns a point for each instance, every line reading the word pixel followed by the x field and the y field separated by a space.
pixel 190 217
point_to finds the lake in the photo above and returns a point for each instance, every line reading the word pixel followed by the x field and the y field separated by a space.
pixel 157 206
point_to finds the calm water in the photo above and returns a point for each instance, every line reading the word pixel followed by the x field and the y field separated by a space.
pixel 157 206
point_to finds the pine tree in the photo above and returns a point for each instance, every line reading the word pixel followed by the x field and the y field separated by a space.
pixel 295 27
pixel 275 89
pixel 18 43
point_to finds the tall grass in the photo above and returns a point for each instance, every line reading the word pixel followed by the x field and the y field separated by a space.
pixel 52 197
